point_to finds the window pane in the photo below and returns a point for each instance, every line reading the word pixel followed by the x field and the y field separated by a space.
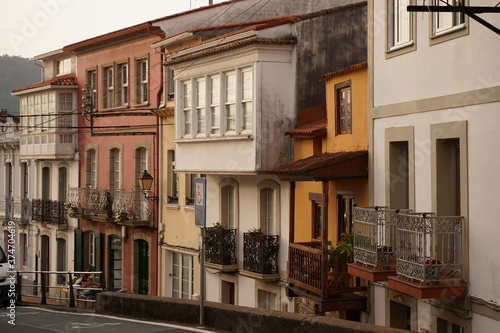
pixel 215 114
pixel 231 117
pixel 230 88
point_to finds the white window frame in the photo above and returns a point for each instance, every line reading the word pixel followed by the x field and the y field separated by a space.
pixel 109 87
pixel 142 81
pixel 123 83
pixel 223 106
pixel 267 300
pixel 229 206
pixel 177 288
pixel 269 207
pixel 399 24
pixel 452 21
pixel 63 67
pixel 115 168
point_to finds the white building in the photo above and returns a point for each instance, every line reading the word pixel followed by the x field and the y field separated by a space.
pixel 435 95
pixel 236 96
pixel 48 146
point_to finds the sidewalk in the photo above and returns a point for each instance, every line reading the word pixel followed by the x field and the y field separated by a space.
pixel 56 304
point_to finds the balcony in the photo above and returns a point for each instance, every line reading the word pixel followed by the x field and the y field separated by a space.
pixel 101 205
pixel 322 278
pixel 130 208
pixel 220 249
pixel 260 256
pixel 428 256
pixel 374 243
pixel 50 212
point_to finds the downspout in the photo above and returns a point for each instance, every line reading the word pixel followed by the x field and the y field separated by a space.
pixel 156 173
pixel 41 66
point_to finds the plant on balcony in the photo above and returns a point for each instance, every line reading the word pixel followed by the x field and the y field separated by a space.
pixel 70 209
pixel 122 215
pixel 219 226
pixel 255 231
pixel 432 269
pixel 220 245
pixel 345 250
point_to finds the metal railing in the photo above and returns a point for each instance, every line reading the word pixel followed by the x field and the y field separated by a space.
pixel 260 253
pixel 429 247
pixel 374 230
pixel 43 289
pixel 220 246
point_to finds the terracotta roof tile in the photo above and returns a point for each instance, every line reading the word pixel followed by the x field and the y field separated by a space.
pixel 65 80
pixel 344 71
pixel 326 166
pixel 311 130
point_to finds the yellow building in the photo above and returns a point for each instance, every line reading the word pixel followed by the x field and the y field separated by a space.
pixel 328 176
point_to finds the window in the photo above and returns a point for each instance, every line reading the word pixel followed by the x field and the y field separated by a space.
pixel 108 92
pixel 399 24
pixel 92 83
pixel 445 326
pixel 63 66
pixel 400 316
pixel 182 276
pixel 186 93
pixel 214 104
pixel 173 183
pixel 200 106
pixel 114 169
pixel 229 101
pixel 24 248
pixel 61 260
pixel 266 300
pixel 229 200
pixel 115 262
pixel 63 183
pixel 190 190
pixel 246 99
pixel 344 207
pixel 343 106
pixel 65 101
pixel 123 84
pixel 142 79
pixel 444 22
pixel 88 249
pixel 170 84
pixel 8 182
pixel 141 164
pixel 317 214
pixel 91 168
pixel 399 175
pixel 268 206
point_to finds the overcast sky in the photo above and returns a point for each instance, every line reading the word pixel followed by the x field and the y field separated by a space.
pixel 32 27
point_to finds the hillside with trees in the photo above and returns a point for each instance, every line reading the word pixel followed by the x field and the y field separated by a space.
pixel 15 72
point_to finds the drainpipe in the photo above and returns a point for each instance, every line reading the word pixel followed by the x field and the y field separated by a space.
pixel 41 66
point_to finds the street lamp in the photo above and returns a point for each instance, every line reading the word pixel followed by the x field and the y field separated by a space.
pixel 145 183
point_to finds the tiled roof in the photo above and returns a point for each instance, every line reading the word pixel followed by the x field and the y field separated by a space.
pixel 311 123
pixel 65 80
pixel 264 24
pixel 344 71
pixel 327 166
pixel 311 130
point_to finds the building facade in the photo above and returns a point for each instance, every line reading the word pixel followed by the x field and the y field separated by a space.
pixel 433 95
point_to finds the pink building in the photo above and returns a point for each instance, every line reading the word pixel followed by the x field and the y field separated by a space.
pixel 120 81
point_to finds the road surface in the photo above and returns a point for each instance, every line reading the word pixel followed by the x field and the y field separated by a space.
pixel 25 319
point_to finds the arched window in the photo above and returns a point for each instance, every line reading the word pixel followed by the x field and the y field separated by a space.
pixel 229 203
pixel 269 192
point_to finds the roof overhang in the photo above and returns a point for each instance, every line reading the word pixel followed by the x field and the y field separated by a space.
pixel 324 167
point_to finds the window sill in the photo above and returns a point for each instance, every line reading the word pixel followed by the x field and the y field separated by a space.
pixel 173 206
pixel 138 105
pixel 397 50
pixel 188 208
pixel 449 34
pixel 247 137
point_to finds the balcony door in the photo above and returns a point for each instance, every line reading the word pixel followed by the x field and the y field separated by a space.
pixel 345 200
pixel 45 183
pixel 63 183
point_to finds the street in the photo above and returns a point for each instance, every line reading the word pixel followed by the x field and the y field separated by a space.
pixel 35 319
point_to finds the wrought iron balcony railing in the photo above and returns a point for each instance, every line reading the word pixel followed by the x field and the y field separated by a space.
pixel 130 207
pixel 123 207
pixel 260 253
pixel 220 246
pixel 49 211
pixel 15 209
pixel 375 236
pixel 429 247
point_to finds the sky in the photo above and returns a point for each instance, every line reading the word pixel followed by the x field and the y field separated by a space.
pixel 32 27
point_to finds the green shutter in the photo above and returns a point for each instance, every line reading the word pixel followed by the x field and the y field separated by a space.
pixel 98 254
pixel 78 250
